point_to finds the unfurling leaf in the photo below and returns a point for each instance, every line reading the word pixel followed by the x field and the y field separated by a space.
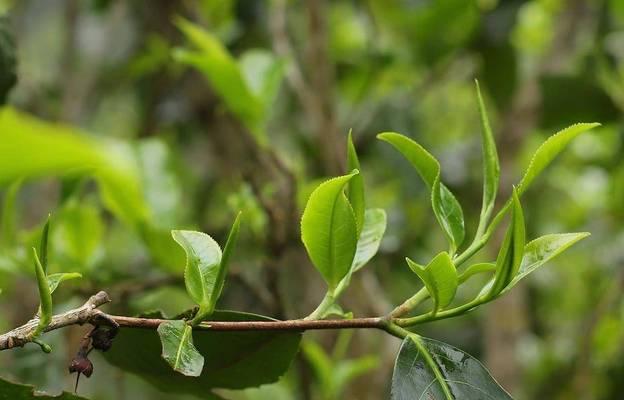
pixel 370 238
pixel 510 254
pixel 203 259
pixel 491 168
pixel 55 279
pixel 355 188
pixel 329 230
pixel 43 245
pixel 432 370
pixel 230 244
pixel 445 206
pixel 440 279
pixel 178 349
pixel 45 296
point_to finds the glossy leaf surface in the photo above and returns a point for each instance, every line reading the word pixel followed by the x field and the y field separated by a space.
pixel 370 238
pixel 356 185
pixel 234 360
pixel 433 370
pixel 440 278
pixel 329 230
pixel 445 206
pixel 178 350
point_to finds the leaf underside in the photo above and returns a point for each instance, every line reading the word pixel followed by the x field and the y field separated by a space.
pixel 17 391
pixel 178 349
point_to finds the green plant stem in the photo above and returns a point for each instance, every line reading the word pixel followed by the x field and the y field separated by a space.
pixel 410 303
pixel 325 304
pixel 453 312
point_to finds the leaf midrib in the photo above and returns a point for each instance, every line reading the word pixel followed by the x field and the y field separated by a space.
pixel 182 340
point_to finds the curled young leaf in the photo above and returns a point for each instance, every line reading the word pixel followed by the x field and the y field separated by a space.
pixel 355 188
pixel 329 230
pixel 511 251
pixel 440 279
pixel 45 296
pixel 230 244
pixel 445 206
pixel 43 245
pixel 491 168
pixel 203 260
pixel 178 349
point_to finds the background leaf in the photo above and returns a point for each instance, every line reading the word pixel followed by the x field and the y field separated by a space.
pixel 176 338
pixel 464 376
pixel 234 360
pixel 17 391
pixel 328 230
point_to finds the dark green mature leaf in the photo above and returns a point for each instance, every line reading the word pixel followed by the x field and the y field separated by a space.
pixel 511 251
pixel 177 348
pixel 203 259
pixel 491 167
pixel 445 206
pixel 549 150
pixel 17 391
pixel 432 370
pixel 440 279
pixel 55 279
pixel 355 189
pixel 543 249
pixel 370 238
pixel 233 360
pixel 329 230
pixel 223 73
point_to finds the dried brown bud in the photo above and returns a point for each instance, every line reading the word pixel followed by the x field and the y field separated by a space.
pixel 82 365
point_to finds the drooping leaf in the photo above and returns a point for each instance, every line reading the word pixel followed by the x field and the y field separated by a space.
pixel 510 254
pixel 543 249
pixel 549 150
pixel 176 338
pixel 223 73
pixel 233 360
pixel 54 280
pixel 203 258
pixel 440 279
pixel 370 238
pixel 18 391
pixel 230 244
pixel 491 168
pixel 445 206
pixel 432 370
pixel 355 188
pixel 45 295
pixel 329 230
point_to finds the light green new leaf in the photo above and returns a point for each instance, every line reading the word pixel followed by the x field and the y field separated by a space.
pixel 355 189
pixel 43 245
pixel 54 280
pixel 230 244
pixel 263 73
pixel 329 230
pixel 178 349
pixel 45 296
pixel 491 168
pixel 440 279
pixel 223 73
pixel 445 206
pixel 370 238
pixel 549 150
pixel 430 370
pixel 543 249
pixel 476 269
pixel 510 254
pixel 203 258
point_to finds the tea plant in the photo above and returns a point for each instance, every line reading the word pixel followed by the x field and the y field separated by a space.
pixel 206 348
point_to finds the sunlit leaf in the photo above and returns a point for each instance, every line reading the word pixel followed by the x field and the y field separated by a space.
pixel 54 280
pixel 370 237
pixel 445 206
pixel 329 231
pixel 432 370
pixel 178 349
pixel 440 278
pixel 355 189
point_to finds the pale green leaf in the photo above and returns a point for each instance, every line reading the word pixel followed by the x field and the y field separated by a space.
pixel 440 279
pixel 54 280
pixel 476 269
pixel 230 244
pixel 491 168
pixel 43 245
pixel 510 254
pixel 370 237
pixel 445 206
pixel 430 370
pixel 328 230
pixel 263 73
pixel 178 350
pixel 45 296
pixel 203 257
pixel 355 188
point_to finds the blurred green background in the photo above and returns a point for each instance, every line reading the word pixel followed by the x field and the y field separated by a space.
pixel 124 124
